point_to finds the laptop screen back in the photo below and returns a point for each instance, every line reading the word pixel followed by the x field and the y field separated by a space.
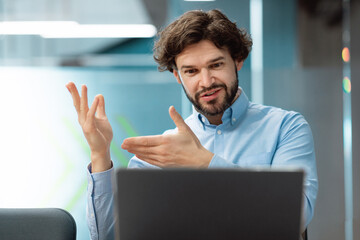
pixel 208 204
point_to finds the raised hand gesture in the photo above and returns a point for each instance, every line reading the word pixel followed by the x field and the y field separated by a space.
pixel 95 126
pixel 181 149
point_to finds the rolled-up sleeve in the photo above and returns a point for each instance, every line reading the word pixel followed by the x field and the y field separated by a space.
pixel 100 216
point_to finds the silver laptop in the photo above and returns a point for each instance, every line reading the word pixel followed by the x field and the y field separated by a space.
pixel 208 204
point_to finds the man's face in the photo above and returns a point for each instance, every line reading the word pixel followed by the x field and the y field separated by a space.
pixel 209 77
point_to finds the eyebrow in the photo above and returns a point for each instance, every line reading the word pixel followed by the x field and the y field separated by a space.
pixel 211 61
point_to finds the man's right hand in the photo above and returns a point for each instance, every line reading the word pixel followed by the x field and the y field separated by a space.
pixel 95 125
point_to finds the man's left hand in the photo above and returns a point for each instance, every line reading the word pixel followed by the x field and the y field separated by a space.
pixel 181 149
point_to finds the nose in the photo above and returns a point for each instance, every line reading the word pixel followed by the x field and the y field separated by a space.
pixel 206 78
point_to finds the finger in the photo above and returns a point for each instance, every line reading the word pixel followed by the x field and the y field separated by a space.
pixel 90 116
pixel 74 94
pixel 177 119
pixel 142 141
pixel 150 159
pixel 84 108
pixel 101 107
pixel 144 150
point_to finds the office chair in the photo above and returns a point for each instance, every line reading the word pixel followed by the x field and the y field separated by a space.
pixel 36 224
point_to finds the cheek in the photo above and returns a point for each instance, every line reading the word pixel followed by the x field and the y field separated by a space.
pixel 191 88
pixel 229 78
pixel 224 77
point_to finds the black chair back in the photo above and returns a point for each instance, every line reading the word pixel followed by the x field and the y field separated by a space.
pixel 36 224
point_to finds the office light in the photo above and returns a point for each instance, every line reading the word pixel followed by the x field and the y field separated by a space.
pixel 345 54
pixel 199 0
pixel 347 123
pixel 346 85
pixel 34 27
pixel 69 29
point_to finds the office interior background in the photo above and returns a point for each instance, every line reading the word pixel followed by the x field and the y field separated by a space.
pixel 297 55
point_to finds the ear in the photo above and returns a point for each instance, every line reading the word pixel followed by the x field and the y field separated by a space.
pixel 176 75
pixel 239 64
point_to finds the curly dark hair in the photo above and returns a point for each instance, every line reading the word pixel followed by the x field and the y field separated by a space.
pixel 194 26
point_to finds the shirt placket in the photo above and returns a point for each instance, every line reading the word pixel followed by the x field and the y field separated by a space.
pixel 219 140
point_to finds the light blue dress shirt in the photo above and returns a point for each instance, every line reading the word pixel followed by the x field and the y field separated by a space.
pixel 250 135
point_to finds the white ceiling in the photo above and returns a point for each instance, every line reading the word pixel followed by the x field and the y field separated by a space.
pixel 23 48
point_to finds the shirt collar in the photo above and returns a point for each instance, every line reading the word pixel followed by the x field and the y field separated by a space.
pixel 232 114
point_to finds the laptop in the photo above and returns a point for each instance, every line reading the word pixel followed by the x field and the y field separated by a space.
pixel 227 204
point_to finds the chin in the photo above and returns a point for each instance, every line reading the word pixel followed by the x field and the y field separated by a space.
pixel 213 110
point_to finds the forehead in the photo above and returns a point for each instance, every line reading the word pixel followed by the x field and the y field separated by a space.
pixel 200 53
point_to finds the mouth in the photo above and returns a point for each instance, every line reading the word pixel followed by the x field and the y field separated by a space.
pixel 210 95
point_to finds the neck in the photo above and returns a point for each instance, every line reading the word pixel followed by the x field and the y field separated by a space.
pixel 217 119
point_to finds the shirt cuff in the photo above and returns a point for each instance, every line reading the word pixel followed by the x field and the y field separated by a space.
pixel 99 183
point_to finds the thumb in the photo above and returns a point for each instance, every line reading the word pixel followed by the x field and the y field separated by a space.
pixel 177 119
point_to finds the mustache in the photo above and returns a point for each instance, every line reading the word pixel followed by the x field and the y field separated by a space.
pixel 214 86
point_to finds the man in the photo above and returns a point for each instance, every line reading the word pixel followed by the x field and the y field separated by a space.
pixel 204 51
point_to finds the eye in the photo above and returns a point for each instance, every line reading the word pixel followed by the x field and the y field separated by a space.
pixel 216 65
pixel 190 71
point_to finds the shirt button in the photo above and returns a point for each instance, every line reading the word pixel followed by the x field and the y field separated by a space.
pixel 219 132
pixel 234 119
pixel 203 119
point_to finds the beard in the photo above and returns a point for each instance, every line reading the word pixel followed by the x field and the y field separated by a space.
pixel 215 106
